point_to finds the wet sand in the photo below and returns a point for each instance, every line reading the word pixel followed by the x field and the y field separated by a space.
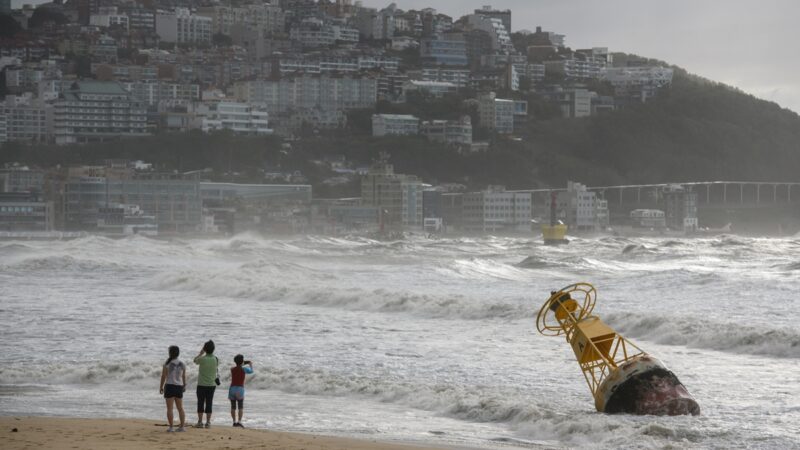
pixel 69 433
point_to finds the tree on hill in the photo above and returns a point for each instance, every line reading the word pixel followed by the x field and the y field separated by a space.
pixel 8 26
pixel 45 14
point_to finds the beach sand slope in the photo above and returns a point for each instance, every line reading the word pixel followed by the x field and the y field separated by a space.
pixel 69 433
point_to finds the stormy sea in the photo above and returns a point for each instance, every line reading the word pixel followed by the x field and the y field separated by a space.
pixel 428 341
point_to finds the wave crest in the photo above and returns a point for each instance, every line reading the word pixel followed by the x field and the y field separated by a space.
pixel 727 337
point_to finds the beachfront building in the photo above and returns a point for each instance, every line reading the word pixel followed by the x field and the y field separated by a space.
pixel 182 26
pixel 580 208
pixel 648 218
pixel 92 111
pixel 175 202
pixel 395 125
pixel 397 196
pixel 240 118
pixel 21 179
pixel 680 208
pixel 496 210
pixel 25 211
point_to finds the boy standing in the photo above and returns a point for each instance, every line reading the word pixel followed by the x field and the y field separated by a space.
pixel 236 391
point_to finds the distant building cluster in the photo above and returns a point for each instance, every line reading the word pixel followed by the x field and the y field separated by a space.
pixel 90 70
pixel 120 198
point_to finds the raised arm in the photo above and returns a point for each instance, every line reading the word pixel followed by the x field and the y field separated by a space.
pixel 202 352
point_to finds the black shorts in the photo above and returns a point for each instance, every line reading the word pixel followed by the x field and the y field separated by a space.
pixel 173 391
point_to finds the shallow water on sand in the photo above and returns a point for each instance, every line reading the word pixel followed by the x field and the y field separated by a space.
pixel 419 340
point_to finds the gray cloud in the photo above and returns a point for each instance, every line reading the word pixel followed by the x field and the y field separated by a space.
pixel 754 46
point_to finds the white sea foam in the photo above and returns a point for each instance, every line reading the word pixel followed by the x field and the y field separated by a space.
pixel 439 328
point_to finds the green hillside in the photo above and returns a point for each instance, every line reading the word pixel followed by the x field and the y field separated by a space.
pixel 696 130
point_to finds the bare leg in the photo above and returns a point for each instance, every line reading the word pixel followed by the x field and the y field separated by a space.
pixel 241 412
pixel 233 414
pixel 181 414
pixel 170 402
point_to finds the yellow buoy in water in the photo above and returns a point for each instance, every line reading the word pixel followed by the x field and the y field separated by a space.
pixel 621 376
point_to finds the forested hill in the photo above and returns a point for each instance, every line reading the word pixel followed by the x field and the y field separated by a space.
pixel 694 130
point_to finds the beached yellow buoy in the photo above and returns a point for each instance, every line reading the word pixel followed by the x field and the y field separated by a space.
pixel 621 376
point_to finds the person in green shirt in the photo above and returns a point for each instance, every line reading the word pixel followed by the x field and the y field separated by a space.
pixel 207 381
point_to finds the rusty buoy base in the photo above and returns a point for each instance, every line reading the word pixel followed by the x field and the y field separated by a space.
pixel 644 386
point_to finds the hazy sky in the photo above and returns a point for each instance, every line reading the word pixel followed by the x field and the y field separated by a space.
pixel 753 45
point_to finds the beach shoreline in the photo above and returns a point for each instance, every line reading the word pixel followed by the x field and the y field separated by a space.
pixel 82 433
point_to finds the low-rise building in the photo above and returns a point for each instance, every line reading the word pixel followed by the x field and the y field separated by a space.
pixel 315 33
pixel 25 211
pixel 435 88
pixel 574 103
pixel 459 77
pixel 454 132
pixel 31 121
pixel 21 179
pixel 497 210
pixel 240 118
pixel 448 49
pixel 639 83
pixel 498 114
pixel 394 124
pixel 648 218
pixel 109 16
pixel 175 202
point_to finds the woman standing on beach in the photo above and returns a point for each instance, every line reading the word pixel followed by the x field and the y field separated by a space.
pixel 173 383
pixel 207 381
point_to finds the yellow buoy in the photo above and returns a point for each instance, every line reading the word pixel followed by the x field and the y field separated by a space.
pixel 621 376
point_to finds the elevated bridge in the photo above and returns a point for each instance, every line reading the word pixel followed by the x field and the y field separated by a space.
pixel 710 194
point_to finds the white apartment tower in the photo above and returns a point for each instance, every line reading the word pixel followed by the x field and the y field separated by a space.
pixel 181 26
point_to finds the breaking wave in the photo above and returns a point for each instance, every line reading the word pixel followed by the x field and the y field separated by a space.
pixel 726 337
pixel 241 285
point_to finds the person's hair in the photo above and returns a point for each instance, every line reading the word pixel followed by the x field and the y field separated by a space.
pixel 208 347
pixel 174 351
pixel 238 359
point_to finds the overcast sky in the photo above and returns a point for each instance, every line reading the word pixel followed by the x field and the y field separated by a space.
pixel 751 44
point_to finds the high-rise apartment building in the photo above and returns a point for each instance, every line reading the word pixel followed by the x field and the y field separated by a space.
pixel 98 111
pixel 398 197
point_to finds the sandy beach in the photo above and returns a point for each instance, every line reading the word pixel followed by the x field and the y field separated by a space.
pixel 70 433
